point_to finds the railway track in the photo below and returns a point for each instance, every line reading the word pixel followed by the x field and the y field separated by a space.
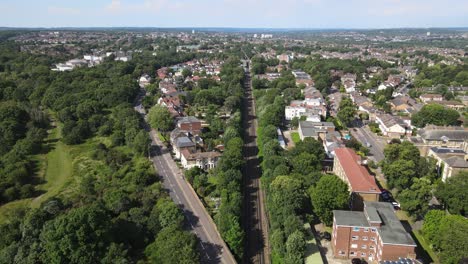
pixel 254 218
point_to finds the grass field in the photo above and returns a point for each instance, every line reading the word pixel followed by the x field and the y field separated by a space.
pixel 54 169
pixel 295 137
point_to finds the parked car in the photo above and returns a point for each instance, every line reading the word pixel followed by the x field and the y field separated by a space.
pixel 327 236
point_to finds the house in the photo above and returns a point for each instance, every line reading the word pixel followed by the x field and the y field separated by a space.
pixel 402 103
pixel 374 234
pixel 455 105
pixel 394 80
pixel 302 78
pixel 172 103
pixel 167 87
pixel 284 57
pixel 202 160
pixel 434 136
pixel 312 93
pixel 426 98
pixel 391 126
pixel 182 143
pixel 347 165
pixel 349 82
pixel 162 73
pixel 463 99
pixel 311 108
pixel 190 124
pixel 450 161
pixel 331 141
pixel 313 129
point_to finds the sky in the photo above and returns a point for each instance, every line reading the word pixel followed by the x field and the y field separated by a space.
pixel 235 13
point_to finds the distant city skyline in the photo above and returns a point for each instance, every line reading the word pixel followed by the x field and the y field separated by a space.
pixel 235 13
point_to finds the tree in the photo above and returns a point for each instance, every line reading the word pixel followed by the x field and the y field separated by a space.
pixel 452 193
pixel 173 246
pixel 330 193
pixel 79 236
pixel 295 246
pixel 160 118
pixel 286 195
pixel 400 174
pixel 346 111
pixel 416 199
pixel 435 114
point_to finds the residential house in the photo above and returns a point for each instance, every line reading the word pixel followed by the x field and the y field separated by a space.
pixel 434 136
pixel 173 104
pixel 348 166
pixel 162 73
pixel 190 124
pixel 311 108
pixel 313 129
pixel 392 126
pixel 202 160
pixel 312 93
pixel 402 103
pixel 450 161
pixel 182 143
pixel 427 98
pixel 394 80
pixel 303 78
pixel 455 105
pixel 374 234
pixel 331 141
pixel 349 82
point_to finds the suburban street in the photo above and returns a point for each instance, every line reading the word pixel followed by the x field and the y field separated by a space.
pixel 254 215
pixel 364 135
pixel 212 248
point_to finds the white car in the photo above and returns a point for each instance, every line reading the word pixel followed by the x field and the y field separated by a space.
pixel 396 204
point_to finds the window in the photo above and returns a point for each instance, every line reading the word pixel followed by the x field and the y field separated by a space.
pixel 371 247
pixel 371 255
pixel 363 254
pixel 366 229
pixel 355 237
pixel 353 245
pixel 352 254
pixel 341 253
pixel 356 229
pixel 372 238
pixel 373 230
pixel 364 238
pixel 363 246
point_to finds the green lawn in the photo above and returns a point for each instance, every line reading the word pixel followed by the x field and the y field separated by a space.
pixel 6 209
pixel 295 137
pixel 312 253
pixel 421 241
pixel 54 169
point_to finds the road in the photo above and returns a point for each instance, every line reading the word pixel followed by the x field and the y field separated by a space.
pixel 254 218
pixel 211 246
pixel 364 135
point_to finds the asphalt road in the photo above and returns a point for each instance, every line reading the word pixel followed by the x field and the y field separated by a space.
pixel 211 246
pixel 364 135
pixel 254 216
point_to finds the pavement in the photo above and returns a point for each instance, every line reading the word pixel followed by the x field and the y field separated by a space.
pixel 212 247
pixel 364 135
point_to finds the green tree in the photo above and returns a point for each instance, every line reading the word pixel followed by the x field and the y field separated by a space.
pixel 416 199
pixel 435 114
pixel 173 246
pixel 79 236
pixel 330 193
pixel 295 247
pixel 160 118
pixel 452 193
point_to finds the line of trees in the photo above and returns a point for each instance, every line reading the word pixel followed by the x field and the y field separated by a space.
pixel 292 180
pixel 115 209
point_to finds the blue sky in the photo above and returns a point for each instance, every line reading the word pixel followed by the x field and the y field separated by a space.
pixel 235 13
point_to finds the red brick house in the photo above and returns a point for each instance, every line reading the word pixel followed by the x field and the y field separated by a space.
pixel 375 234
pixel 190 124
pixel 348 166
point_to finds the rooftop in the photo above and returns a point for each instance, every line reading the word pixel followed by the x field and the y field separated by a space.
pixel 358 176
